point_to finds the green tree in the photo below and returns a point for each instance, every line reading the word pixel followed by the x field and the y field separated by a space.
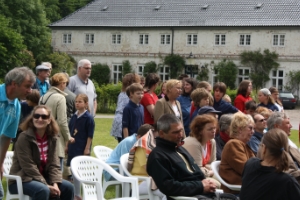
pixel 293 83
pixel 61 62
pixel 261 64
pixel 52 9
pixel 227 72
pixel 100 73
pixel 150 67
pixel 176 64
pixel 69 6
pixel 126 68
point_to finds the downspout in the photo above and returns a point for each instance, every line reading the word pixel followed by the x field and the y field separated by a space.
pixel 172 46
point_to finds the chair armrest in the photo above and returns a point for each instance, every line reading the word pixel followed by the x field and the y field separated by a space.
pixel 18 181
pixel 184 198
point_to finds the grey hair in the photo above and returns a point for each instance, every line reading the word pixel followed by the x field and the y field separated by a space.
pixel 82 62
pixel 165 121
pixel 18 75
pixel 276 118
pixel 224 122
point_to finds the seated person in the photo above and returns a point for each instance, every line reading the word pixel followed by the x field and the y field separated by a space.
pixel 200 98
pixel 209 111
pixel 124 147
pixel 236 151
pixel 223 137
pixel 250 107
pixel 201 144
pixel 263 177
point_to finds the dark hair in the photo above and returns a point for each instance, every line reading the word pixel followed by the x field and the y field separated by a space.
pixel 133 88
pixel 128 79
pixel 221 86
pixel 250 105
pixel 182 76
pixel 144 129
pixel 243 88
pixel 151 80
pixel 276 142
pixel 34 96
pixel 198 123
pixel 193 82
pixel 52 128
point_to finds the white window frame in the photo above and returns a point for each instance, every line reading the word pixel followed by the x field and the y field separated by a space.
pixel 219 39
pixel 89 38
pixel 164 72
pixel 138 71
pixel 67 38
pixel 144 39
pixel 165 39
pixel 277 78
pixel 278 40
pixel 243 76
pixel 116 38
pixel 117 72
pixel 192 39
pixel 245 40
pixel 214 74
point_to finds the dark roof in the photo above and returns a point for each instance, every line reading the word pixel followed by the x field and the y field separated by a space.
pixel 181 13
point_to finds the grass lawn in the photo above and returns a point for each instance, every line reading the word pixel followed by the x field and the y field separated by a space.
pixel 102 137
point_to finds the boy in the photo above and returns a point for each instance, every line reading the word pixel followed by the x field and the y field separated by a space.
pixel 250 107
pixel 200 97
pixel 133 113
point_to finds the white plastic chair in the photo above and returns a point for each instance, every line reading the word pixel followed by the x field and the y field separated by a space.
pixel 103 153
pixel 7 165
pixel 215 166
pixel 88 170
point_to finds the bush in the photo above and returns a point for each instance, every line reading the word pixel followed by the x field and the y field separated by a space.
pixel 100 73
pixel 107 97
pixel 150 67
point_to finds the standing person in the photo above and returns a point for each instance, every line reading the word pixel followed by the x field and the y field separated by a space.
pixel 81 84
pixel 35 159
pixel 266 100
pixel 82 128
pixel 123 100
pixel 17 85
pixel 42 74
pixel 162 90
pixel 200 98
pixel 243 95
pixel 48 64
pixel 149 99
pixel 263 177
pixel 275 95
pixel 189 85
pixel 56 101
pixel 70 100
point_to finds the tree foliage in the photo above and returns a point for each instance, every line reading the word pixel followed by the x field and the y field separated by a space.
pixel 100 73
pixel 227 72
pixel 176 64
pixel 150 67
pixel 293 83
pixel 127 68
pixel 261 64
pixel 61 62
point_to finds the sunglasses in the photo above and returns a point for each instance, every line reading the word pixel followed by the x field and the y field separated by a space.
pixel 37 116
pixel 261 120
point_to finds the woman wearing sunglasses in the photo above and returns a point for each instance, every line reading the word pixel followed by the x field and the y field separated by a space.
pixel 36 161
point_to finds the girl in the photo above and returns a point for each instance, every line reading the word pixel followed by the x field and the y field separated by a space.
pixel 81 127
pixel 266 100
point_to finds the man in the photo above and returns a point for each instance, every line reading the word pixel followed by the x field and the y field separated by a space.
pixel 260 125
pixel 172 168
pixel 81 84
pixel 18 83
pixel 281 121
pixel 42 73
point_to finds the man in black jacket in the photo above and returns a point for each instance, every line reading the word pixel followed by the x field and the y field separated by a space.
pixel 172 168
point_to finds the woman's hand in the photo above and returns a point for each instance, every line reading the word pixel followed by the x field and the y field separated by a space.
pixel 54 190
pixel 87 151
pixel 71 140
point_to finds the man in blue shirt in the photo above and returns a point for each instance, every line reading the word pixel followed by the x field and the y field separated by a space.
pixel 43 73
pixel 18 83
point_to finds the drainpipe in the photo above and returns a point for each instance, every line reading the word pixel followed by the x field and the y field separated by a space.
pixel 172 41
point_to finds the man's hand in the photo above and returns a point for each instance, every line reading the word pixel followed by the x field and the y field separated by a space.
pixel 208 186
pixel 54 190
pixel 71 140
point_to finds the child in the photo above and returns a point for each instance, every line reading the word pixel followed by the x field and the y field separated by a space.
pixel 81 128
pixel 133 113
pixel 200 97
pixel 227 98
pixel 250 107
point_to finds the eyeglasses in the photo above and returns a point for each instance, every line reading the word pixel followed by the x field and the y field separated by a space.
pixel 261 120
pixel 37 116
pixel 87 68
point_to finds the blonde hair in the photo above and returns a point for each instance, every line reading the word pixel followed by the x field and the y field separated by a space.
pixel 171 83
pixel 239 120
pixel 58 78
pixel 85 98
pixel 227 98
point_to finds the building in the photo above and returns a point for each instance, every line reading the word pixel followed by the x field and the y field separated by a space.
pixel 111 31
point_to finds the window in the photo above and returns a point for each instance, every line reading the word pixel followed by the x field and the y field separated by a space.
pixel 192 39
pixel 117 73
pixel 67 38
pixel 220 39
pixel 116 38
pixel 215 76
pixel 165 39
pixel 140 70
pixel 243 74
pixel 144 38
pixel 89 38
pixel 191 70
pixel 164 72
pixel 277 79
pixel 245 40
pixel 278 40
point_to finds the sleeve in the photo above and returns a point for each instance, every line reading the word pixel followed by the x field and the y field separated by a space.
pixel 126 117
pixel 293 190
pixel 61 118
pixel 147 100
pixel 90 127
pixel 158 110
pixel 239 103
pixel 230 108
pixel 54 168
pixel 95 93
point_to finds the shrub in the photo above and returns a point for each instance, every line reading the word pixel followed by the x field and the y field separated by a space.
pixel 100 73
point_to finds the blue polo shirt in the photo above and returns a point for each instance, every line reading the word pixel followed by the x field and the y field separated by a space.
pixel 224 107
pixel 43 87
pixel 10 111
pixel 133 117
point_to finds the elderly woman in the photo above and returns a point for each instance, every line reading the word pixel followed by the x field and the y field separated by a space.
pixel 201 144
pixel 266 100
pixel 236 151
pixel 36 161
pixel 243 95
pixel 224 136
pixel 56 101
pixel 264 177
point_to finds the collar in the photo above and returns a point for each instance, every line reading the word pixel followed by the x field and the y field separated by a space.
pixel 165 143
pixel 83 82
pixel 3 96
pixel 258 135
pixel 131 103
pixel 55 89
pixel 82 114
pixel 40 82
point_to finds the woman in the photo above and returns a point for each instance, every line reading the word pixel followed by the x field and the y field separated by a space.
pixel 266 100
pixel 162 90
pixel 123 99
pixel 36 161
pixel 243 95
pixel 149 99
pixel 223 137
pixel 169 104
pixel 236 151
pixel 189 85
pixel 264 177
pixel 56 101
pixel 275 95
pixel 201 144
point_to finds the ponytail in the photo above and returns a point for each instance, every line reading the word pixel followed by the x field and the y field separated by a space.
pixel 282 162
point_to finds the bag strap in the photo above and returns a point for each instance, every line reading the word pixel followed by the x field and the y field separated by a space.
pixel 41 101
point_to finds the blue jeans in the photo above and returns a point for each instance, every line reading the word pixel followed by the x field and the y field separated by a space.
pixel 1 191
pixel 38 190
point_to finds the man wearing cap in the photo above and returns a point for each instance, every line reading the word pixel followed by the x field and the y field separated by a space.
pixel 42 73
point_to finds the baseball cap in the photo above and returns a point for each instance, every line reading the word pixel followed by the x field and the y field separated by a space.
pixel 41 67
pixel 207 109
